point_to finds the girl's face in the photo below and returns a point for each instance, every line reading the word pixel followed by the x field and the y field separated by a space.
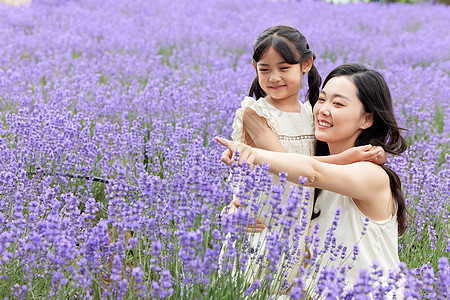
pixel 339 115
pixel 280 80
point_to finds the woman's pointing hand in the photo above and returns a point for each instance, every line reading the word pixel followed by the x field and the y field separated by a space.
pixel 246 153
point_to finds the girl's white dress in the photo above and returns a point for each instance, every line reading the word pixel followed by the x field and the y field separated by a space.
pixel 296 133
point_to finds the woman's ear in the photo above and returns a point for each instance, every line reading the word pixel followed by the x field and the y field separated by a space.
pixel 368 121
pixel 306 65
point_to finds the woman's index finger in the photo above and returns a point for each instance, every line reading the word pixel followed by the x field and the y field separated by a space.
pixel 224 142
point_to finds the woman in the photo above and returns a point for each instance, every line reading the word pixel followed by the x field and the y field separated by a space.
pixel 354 109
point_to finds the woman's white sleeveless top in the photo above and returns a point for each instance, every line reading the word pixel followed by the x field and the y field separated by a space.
pixel 378 243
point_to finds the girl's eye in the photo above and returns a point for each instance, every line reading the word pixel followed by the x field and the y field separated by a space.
pixel 338 103
pixel 263 70
pixel 321 100
pixel 284 68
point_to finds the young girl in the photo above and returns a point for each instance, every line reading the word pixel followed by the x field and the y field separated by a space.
pixel 278 121
pixel 354 108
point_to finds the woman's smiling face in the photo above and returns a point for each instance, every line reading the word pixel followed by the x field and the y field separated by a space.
pixel 339 115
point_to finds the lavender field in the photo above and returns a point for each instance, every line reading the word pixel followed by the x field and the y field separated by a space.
pixel 110 181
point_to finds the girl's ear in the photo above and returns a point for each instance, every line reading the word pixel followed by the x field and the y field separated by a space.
pixel 368 121
pixel 306 65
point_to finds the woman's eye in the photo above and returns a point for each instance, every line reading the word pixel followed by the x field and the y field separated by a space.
pixel 284 68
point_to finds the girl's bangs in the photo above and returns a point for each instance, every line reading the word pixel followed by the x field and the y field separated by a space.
pixel 290 54
pixel 283 46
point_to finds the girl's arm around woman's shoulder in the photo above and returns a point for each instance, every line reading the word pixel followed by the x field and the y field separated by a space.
pixel 375 154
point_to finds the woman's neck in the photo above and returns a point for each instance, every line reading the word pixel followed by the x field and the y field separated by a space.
pixel 336 148
pixel 339 146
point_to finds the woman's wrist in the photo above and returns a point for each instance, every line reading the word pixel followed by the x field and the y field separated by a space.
pixel 255 154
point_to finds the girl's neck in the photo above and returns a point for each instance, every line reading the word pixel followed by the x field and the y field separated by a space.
pixel 291 105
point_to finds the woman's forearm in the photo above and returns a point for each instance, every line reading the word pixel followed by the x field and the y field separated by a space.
pixel 295 165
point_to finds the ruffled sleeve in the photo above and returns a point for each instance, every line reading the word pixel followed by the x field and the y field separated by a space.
pixel 238 134
pixel 262 109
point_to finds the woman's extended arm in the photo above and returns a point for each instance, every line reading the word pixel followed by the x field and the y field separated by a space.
pixel 364 181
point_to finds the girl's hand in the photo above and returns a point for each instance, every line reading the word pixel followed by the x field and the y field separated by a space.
pixel 381 157
pixel 258 227
pixel 246 153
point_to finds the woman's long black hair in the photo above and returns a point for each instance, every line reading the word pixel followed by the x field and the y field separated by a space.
pixel 374 94
pixel 294 48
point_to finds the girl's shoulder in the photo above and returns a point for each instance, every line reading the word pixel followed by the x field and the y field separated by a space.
pixel 248 102
pixel 260 107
